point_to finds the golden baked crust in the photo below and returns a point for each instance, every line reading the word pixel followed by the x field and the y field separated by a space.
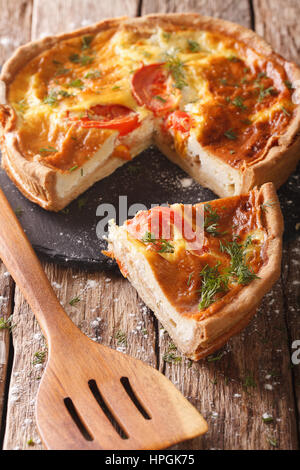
pixel 171 281
pixel 37 179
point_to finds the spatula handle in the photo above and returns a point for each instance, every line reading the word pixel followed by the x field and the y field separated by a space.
pixel 22 263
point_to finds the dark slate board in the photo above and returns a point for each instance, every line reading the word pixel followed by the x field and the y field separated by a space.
pixel 70 237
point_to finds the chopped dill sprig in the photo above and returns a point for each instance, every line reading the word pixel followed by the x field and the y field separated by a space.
pixel 211 220
pixel 175 67
pixel 74 301
pixel 39 357
pixel 170 355
pixel 163 245
pixel 121 338
pixel 239 269
pixel 212 283
pixel 6 324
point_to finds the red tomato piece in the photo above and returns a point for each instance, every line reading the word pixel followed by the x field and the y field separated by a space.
pixel 114 116
pixel 153 87
pixel 179 121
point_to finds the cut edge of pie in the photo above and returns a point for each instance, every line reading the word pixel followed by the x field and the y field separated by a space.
pixel 198 335
pixel 53 190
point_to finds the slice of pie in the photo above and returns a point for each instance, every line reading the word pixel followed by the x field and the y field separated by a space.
pixel 212 96
pixel 202 269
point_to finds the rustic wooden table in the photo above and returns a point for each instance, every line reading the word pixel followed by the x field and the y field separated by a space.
pixel 254 377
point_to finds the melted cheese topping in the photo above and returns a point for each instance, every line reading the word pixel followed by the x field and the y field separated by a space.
pixel 238 101
pixel 239 222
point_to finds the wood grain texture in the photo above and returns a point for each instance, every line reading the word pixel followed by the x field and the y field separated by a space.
pixel 15 29
pixel 278 23
pixel 290 283
pixel 15 25
pixel 6 298
pixel 253 376
pixel 67 15
pixel 232 10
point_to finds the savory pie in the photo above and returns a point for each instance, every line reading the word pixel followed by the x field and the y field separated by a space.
pixel 202 269
pixel 212 95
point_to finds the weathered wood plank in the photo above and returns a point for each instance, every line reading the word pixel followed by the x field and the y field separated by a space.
pixel 15 27
pixel 291 293
pixel 6 297
pixel 238 11
pixel 278 23
pixel 67 15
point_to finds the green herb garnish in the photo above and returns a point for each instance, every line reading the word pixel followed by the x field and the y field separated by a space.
pixel 211 219
pixel 121 338
pixel 6 324
pixel 175 67
pixel 73 168
pixel 249 381
pixel 170 355
pixel 269 419
pixel 230 134
pixel 61 71
pixel 272 441
pixel 286 112
pixel 93 74
pixel 239 103
pixel 39 357
pixel 218 357
pixel 48 149
pixel 247 122
pixel 166 35
pixel 163 245
pixel 86 42
pixel 212 283
pixel 77 83
pixel 239 269
pixel 264 92
pixel 160 98
pixel 53 96
pixel 82 60
pixel 193 46
pixel 189 279
pixel 74 301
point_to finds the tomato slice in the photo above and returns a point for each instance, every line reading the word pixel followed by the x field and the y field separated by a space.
pixel 153 86
pixel 179 121
pixel 157 221
pixel 163 223
pixel 114 116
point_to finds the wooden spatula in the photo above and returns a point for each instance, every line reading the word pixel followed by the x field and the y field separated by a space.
pixel 90 396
